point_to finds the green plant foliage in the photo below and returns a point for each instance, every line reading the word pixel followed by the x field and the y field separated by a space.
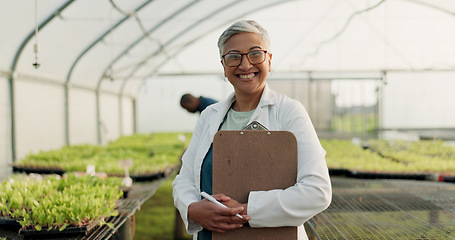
pixel 392 225
pixel 423 155
pixel 391 156
pixel 151 153
pixel 156 218
pixel 56 203
pixel 343 154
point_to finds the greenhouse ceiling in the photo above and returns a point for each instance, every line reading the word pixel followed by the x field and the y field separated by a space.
pixel 115 45
pixel 72 72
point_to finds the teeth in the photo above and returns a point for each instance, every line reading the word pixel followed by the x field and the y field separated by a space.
pixel 251 75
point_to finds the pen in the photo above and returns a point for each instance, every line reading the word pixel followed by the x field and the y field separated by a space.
pixel 213 200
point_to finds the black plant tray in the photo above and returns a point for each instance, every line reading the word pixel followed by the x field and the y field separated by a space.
pixel 155 175
pixel 9 222
pixel 38 170
pixel 143 177
pixel 374 175
pixel 339 172
pixel 147 177
pixel 55 233
pixel 444 178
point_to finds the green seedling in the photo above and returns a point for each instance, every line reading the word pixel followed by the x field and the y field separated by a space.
pixel 166 147
pixel 71 201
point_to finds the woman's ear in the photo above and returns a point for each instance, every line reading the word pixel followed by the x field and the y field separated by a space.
pixel 270 62
pixel 221 61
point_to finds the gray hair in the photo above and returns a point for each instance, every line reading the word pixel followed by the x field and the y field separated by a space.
pixel 243 26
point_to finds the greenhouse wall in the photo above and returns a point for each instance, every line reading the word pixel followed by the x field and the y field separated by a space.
pixel 82 114
pixel 109 117
pixel 5 125
pixel 419 100
pixel 293 88
pixel 320 104
pixel 158 102
pixel 314 95
pixel 127 125
pixel 40 122
pixel 159 109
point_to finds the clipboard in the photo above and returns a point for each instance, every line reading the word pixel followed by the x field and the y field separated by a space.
pixel 245 161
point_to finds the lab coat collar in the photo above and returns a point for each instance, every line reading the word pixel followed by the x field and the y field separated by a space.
pixel 260 115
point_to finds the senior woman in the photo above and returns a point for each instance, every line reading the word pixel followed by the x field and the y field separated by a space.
pixel 244 49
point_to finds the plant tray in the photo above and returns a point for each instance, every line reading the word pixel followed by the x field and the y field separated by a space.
pixel 155 175
pixel 447 179
pixel 55 233
pixel 147 177
pixel 379 175
pixel 338 172
pixel 39 170
pixel 9 222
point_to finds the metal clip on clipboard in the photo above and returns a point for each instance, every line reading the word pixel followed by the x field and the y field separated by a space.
pixel 255 126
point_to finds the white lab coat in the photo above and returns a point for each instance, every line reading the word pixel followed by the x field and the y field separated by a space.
pixel 289 207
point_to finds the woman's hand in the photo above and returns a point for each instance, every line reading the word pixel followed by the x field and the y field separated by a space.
pixel 215 218
pixel 232 203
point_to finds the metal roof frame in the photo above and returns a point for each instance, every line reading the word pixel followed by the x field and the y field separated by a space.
pixel 158 65
pixel 14 66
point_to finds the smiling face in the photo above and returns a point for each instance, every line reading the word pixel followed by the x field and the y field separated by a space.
pixel 247 79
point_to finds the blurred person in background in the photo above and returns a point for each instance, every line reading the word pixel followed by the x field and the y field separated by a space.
pixel 195 104
pixel 246 59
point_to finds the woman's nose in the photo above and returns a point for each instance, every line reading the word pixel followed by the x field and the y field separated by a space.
pixel 245 63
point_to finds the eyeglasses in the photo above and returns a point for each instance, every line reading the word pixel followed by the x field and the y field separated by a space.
pixel 235 59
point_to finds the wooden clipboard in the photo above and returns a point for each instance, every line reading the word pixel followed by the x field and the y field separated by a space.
pixel 245 161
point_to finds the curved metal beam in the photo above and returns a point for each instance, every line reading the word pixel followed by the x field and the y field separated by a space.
pixel 429 5
pixel 100 38
pixel 338 33
pixel 154 72
pixel 76 61
pixel 124 52
pixel 32 33
pixel 14 67
pixel 156 69
pixel 140 39
pixel 163 46
pixel 177 36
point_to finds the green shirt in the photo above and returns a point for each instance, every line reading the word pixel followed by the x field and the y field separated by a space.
pixel 236 120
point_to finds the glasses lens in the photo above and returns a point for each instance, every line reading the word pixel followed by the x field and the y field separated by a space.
pixel 232 59
pixel 256 57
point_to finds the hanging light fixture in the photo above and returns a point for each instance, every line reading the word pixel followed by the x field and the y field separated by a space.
pixel 36 64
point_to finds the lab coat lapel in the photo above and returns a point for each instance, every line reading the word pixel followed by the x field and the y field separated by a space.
pixel 221 110
pixel 261 114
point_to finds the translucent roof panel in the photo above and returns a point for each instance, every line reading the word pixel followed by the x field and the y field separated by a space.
pixel 189 27
pixel 22 14
pixel 188 24
pixel 347 36
pixel 66 36
pixel 113 44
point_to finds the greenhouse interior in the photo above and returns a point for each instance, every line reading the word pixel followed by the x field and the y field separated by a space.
pixel 90 110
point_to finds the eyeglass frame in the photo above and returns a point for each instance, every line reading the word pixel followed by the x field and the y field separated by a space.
pixel 241 55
